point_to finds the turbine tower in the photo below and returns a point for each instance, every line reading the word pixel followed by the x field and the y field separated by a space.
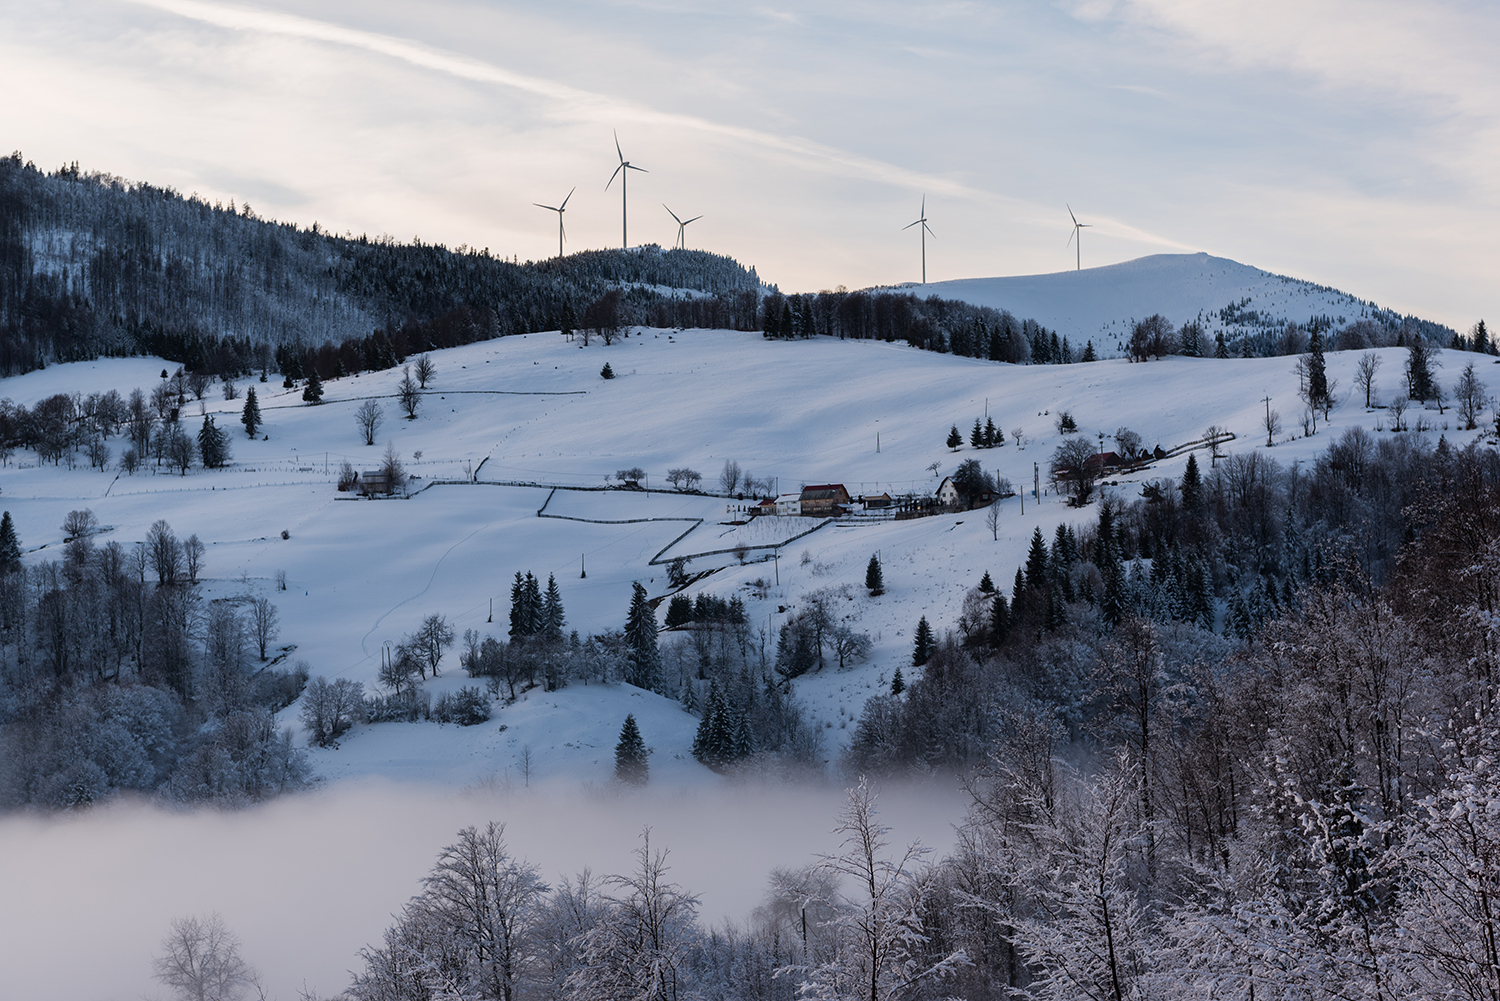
pixel 1076 227
pixel 623 170
pixel 925 230
pixel 681 227
pixel 559 209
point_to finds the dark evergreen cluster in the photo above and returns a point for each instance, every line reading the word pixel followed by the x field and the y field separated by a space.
pixel 986 434
pixel 723 736
pixel 534 614
pixel 933 324
pixel 706 609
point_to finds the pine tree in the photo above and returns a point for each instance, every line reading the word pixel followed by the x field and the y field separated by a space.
pixel 985 584
pixel 1482 339
pixel 250 417
pixel 518 615
pixel 10 545
pixel 976 437
pixel 630 754
pixel 709 737
pixel 1192 486
pixel 213 445
pixel 1036 562
pixel 1018 587
pixel 1088 352
pixel 898 683
pixel 874 578
pixel 606 372
pixel 313 392
pixel 640 635
pixel 954 438
pixel 999 620
pixel 552 612
pixel 1317 371
pixel 533 605
pixel 1221 350
pixel 922 649
pixel 992 435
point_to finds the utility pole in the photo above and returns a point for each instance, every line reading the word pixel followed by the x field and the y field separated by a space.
pixel 1269 443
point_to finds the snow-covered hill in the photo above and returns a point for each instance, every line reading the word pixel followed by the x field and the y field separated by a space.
pixel 1100 303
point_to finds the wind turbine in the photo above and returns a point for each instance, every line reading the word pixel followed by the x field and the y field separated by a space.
pixel 925 230
pixel 681 227
pixel 1076 227
pixel 623 170
pixel 559 209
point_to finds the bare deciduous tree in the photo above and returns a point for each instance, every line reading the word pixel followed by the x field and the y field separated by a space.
pixel 408 395
pixel 263 623
pixel 200 961
pixel 426 371
pixel 1468 397
pixel 684 479
pixel 368 417
pixel 729 479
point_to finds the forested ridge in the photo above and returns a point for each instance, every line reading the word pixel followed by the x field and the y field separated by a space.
pixel 93 265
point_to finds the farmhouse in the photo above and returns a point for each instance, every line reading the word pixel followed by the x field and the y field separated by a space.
pixel 824 500
pixel 789 505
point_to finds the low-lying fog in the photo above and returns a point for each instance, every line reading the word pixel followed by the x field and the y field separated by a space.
pixel 86 898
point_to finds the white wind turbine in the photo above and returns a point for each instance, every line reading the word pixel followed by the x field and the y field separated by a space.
pixel 623 170
pixel 925 230
pixel 1077 226
pixel 559 209
pixel 681 226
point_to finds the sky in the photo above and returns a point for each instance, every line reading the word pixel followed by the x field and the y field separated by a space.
pixel 1348 142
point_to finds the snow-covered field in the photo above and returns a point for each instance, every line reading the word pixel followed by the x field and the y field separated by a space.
pixel 362 573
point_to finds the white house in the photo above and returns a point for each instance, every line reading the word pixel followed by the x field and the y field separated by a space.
pixel 947 492
pixel 789 504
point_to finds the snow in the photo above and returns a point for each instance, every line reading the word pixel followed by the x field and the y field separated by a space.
pixel 308 880
pixel 362 573
pixel 1099 303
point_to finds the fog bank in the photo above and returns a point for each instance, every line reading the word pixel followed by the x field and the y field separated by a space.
pixel 306 881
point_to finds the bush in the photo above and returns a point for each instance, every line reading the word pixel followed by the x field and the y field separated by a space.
pixel 405 706
pixel 275 690
pixel 330 708
pixel 466 707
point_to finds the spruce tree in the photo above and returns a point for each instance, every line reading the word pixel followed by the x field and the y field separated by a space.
pixel 1317 371
pixel 606 372
pixel 898 683
pixel 1036 562
pixel 999 620
pixel 986 585
pixel 1192 486
pixel 250 417
pixel 640 636
pixel 533 604
pixel 552 612
pixel 976 437
pixel 992 435
pixel 922 648
pixel 874 578
pixel 1221 350
pixel 709 737
pixel 213 445
pixel 1088 352
pixel 518 609
pixel 954 438
pixel 630 754
pixel 10 545
pixel 313 391
pixel 1482 339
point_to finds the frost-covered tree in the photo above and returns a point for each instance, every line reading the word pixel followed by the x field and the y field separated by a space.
pixel 878 924
pixel 640 639
pixel 200 961
pixel 368 418
pixel 640 945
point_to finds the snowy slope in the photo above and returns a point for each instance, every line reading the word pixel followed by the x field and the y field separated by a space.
pixel 363 573
pixel 1100 303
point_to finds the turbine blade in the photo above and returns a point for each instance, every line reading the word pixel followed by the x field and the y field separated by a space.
pixel 671 213
pixel 617 145
pixel 1071 215
pixel 909 225
pixel 929 230
pixel 541 206
pixel 565 200
pixel 693 219
pixel 612 176
pixel 1070 238
pixel 631 166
